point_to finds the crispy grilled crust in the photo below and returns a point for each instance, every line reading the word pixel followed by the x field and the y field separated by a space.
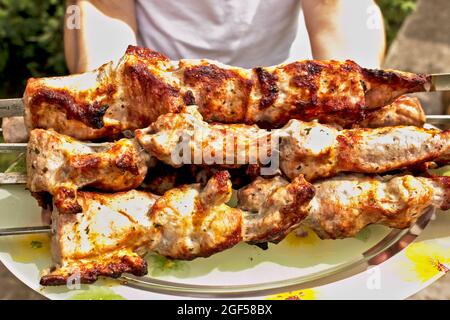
pixel 344 205
pixel 404 111
pixel 60 165
pixel 387 85
pixel 103 240
pixel 320 151
pixel 107 237
pixel 146 84
pixel 308 148
pixel 184 138
pixel 88 271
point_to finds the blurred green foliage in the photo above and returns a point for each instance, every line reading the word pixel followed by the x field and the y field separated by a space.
pixel 31 42
pixel 395 12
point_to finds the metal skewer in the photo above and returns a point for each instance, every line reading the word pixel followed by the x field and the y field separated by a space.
pixel 24 231
pixel 11 107
pixel 15 107
pixel 438 119
pixel 13 178
pixel 22 147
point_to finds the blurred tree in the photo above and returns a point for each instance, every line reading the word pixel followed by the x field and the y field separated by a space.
pixel 31 42
pixel 395 12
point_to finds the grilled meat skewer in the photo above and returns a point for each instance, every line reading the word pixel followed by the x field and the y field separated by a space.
pixel 60 165
pixel 145 84
pixel 320 151
pixel 308 148
pixel 113 231
pixel 404 111
pixel 344 205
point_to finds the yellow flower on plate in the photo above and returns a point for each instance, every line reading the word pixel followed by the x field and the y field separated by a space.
pixel 306 294
pixel 428 259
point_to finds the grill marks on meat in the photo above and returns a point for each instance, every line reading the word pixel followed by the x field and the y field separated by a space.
pixel 308 148
pixel 184 138
pixel 60 165
pixel 113 231
pixel 146 84
pixel 386 85
pixel 335 87
pixel 268 88
pixel 221 93
pixel 320 151
pixel 75 105
pixel 406 111
pixel 147 90
pixel 344 205
pixel 107 237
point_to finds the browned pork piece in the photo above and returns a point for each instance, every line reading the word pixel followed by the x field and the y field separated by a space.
pixel 145 84
pixel 308 148
pixel 184 138
pixel 319 151
pixel 113 231
pixel 404 111
pixel 107 238
pixel 345 204
pixel 59 165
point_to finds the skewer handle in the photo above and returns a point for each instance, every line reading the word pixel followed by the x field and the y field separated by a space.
pixel 438 119
pixel 11 107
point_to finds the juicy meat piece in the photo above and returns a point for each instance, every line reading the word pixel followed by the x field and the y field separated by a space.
pixel 60 165
pixel 107 238
pixel 308 148
pixel 184 138
pixel 251 196
pixel 319 151
pixel 14 130
pixel 345 204
pixel 281 211
pixel 113 231
pixel 404 111
pixel 191 222
pixel 145 84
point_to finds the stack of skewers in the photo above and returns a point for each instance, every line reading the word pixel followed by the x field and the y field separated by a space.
pixel 143 156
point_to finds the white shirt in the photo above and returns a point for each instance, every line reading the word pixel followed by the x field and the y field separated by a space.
pixel 245 33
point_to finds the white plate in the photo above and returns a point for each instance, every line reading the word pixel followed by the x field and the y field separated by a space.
pixel 244 268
